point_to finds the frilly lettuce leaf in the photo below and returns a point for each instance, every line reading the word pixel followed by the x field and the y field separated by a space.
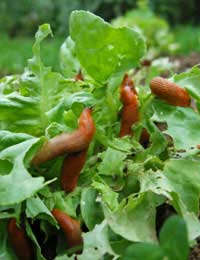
pixel 96 243
pixel 17 178
pixel 39 96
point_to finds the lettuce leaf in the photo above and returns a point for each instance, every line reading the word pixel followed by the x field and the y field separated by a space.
pixel 103 49
pixel 18 176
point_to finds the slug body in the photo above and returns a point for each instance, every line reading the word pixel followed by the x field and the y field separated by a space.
pixel 74 162
pixel 130 111
pixel 68 142
pixel 71 168
pixel 79 76
pixel 19 240
pixel 170 92
pixel 70 227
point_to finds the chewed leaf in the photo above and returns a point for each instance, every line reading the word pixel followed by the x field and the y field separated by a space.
pixel 184 179
pixel 90 208
pixel 69 63
pixel 136 220
pixel 112 162
pixel 18 184
pixel 97 244
pixel 103 49
pixel 179 183
pixel 183 124
pixel 43 31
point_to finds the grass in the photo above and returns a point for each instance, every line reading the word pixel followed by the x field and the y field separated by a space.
pixel 15 53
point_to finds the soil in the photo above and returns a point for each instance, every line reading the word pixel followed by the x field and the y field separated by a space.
pixel 195 252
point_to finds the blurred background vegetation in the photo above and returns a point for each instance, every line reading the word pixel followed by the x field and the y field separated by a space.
pixel 170 27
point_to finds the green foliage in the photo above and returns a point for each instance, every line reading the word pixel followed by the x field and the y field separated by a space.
pixel 122 182
pixel 15 53
pixel 188 39
pixel 173 244
pixel 154 28
pixel 109 55
pixel 175 10
pixel 22 17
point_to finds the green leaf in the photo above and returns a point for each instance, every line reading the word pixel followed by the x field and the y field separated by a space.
pixel 179 183
pixel 141 251
pixel 112 162
pixel 64 257
pixel 90 208
pixel 82 97
pixel 8 138
pixel 36 208
pixel 107 194
pixel 173 244
pixel 134 221
pixel 18 177
pixel 103 49
pixel 96 243
pixel 158 140
pixel 39 97
pixel 69 64
pixel 68 203
pixel 192 221
pixel 8 84
pixel 33 238
pixel 183 124
pixel 184 178
pixel 174 240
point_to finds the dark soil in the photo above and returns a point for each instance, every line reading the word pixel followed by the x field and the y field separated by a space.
pixel 195 252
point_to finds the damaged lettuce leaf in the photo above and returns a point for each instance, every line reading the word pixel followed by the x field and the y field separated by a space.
pixel 16 175
pixel 173 229
pixel 103 49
